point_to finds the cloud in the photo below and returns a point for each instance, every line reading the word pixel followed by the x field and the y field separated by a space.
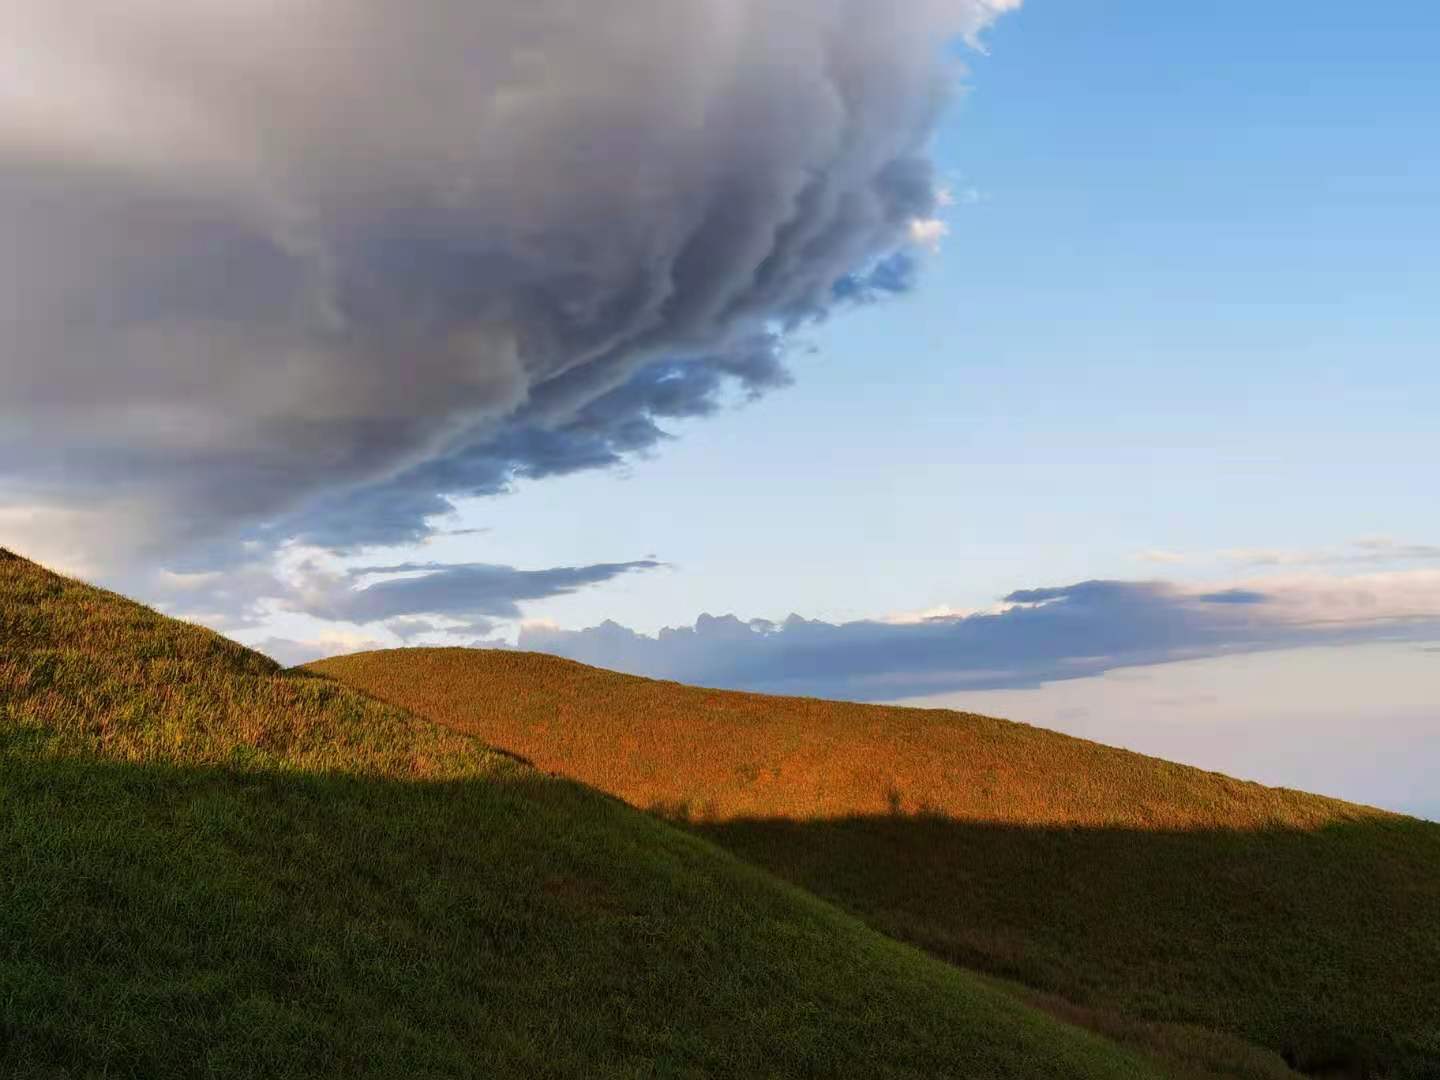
pixel 1382 548
pixel 1039 635
pixel 308 269
pixel 1373 550
pixel 1233 596
pixel 928 233
pixel 463 590
pixel 292 653
pixel 307 599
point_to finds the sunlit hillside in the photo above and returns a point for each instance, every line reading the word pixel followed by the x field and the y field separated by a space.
pixel 213 868
pixel 1134 890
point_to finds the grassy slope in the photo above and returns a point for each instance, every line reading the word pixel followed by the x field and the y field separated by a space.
pixel 209 867
pixel 1125 884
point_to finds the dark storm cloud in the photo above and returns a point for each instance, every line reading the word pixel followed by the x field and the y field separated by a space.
pixel 311 268
pixel 1050 634
pixel 624 421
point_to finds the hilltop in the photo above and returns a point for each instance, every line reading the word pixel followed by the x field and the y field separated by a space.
pixel 217 868
pixel 1147 899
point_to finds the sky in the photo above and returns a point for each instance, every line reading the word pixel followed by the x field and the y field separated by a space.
pixel 1073 361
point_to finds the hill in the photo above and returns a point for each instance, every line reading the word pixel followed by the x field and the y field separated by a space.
pixel 215 868
pixel 1137 891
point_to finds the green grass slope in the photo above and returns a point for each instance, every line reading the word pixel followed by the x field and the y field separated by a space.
pixel 213 868
pixel 1137 891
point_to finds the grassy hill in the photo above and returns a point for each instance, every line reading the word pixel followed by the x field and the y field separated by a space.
pixel 1129 893
pixel 210 867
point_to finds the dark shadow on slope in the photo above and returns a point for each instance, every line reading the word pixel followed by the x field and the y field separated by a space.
pixel 1323 946
pixel 170 922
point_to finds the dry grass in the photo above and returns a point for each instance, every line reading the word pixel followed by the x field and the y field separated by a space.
pixel 82 667
pixel 1154 900
pixel 714 755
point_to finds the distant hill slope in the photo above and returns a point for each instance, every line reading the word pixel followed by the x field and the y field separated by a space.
pixel 210 867
pixel 1125 884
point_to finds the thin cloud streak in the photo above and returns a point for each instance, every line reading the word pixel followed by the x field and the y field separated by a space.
pixel 465 590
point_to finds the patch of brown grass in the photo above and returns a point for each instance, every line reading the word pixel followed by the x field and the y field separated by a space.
pixel 1169 907
pixel 714 755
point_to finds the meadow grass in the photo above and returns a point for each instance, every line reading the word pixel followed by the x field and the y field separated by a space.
pixel 214 868
pixel 1166 906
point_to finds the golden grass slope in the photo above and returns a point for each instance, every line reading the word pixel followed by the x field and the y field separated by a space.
pixel 1138 891
pixel 715 755
pixel 213 868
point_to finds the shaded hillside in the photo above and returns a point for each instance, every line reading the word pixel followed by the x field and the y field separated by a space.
pixel 1122 883
pixel 215 868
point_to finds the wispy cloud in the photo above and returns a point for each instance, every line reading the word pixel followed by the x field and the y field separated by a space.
pixel 389 604
pixel 1365 551
pixel 291 653
pixel 463 591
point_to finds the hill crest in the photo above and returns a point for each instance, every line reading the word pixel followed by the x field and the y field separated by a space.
pixel 717 755
pixel 228 868
pixel 1134 889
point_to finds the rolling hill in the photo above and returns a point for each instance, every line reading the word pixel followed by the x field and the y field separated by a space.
pixel 1150 900
pixel 215 868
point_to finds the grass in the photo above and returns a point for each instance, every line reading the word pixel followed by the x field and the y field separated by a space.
pixel 1166 906
pixel 214 868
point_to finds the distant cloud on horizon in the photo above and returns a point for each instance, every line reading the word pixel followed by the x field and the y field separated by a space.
pixel 460 603
pixel 1364 551
pixel 1041 635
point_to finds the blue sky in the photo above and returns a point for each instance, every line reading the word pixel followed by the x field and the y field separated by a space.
pixel 1160 409
pixel 1192 310
pixel 1186 308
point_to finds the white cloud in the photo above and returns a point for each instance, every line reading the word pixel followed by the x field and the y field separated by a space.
pixel 1370 550
pixel 292 653
pixel 71 539
pixel 928 232
pixel 1374 599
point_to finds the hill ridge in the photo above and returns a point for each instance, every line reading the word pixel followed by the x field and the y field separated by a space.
pixel 856 784
pixel 230 870
pixel 1130 886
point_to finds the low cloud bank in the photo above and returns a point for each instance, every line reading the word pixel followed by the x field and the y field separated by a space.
pixel 1041 635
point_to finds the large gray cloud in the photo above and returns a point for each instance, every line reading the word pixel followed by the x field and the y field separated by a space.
pixel 305 268
pixel 1041 635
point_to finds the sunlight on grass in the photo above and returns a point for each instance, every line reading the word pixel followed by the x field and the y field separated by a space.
pixel 217 868
pixel 1157 903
